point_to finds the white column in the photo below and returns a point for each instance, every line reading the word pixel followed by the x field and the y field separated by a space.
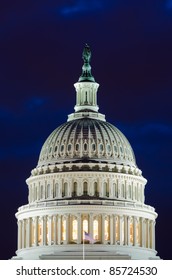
pixel 49 230
pixel 125 230
pixel 153 235
pixel 23 234
pixel 114 229
pixel 59 230
pixel 67 228
pixel 44 236
pixel 91 224
pixel 28 232
pixel 36 231
pixel 19 235
pixel 148 234
pixel 41 219
pixel 111 229
pixel 142 232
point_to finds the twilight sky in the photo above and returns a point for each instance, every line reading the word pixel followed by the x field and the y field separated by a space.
pixel 41 45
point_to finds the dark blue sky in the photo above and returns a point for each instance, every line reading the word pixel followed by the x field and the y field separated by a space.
pixel 41 45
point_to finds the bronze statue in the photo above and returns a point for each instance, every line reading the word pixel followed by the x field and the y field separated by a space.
pixel 86 55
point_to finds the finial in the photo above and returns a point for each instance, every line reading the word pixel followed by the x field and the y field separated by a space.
pixel 86 68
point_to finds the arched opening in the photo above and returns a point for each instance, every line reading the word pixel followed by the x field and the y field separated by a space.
pixel 85 192
pixel 96 191
pixel 41 192
pixel 74 193
pixel 105 189
pixel 129 192
pixel 56 190
pixel 48 191
pixel 65 189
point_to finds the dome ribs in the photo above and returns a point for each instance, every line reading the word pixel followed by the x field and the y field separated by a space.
pixel 86 138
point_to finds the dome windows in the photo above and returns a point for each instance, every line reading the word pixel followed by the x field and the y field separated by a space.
pixel 62 148
pixel 69 148
pixel 86 136
pixel 101 147
pixel 108 148
pixel 85 147
pixel 93 147
pixel 77 147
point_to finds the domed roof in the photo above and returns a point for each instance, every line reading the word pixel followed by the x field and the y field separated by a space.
pixel 86 139
pixel 86 136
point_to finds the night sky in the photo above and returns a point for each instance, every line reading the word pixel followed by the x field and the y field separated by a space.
pixel 41 45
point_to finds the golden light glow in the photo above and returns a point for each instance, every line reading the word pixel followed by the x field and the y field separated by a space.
pixel 75 229
pixel 39 232
pixel 138 232
pixel 131 231
pixel 106 229
pixel 32 233
pixel 95 229
pixel 117 228
pixel 85 226
pixel 63 230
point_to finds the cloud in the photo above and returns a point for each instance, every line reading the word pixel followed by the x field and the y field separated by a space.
pixel 35 102
pixel 80 6
pixel 169 4
pixel 158 128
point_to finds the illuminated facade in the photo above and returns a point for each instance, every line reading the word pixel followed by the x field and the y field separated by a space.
pixel 86 180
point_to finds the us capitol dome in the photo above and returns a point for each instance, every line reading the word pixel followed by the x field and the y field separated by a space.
pixel 86 190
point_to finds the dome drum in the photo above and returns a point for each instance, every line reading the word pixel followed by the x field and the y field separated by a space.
pixel 74 185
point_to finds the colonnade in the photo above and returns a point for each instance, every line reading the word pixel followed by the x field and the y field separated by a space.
pixel 69 229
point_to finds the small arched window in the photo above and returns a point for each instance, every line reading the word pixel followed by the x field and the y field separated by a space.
pixel 96 191
pixel 48 191
pixel 74 193
pixel 85 188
